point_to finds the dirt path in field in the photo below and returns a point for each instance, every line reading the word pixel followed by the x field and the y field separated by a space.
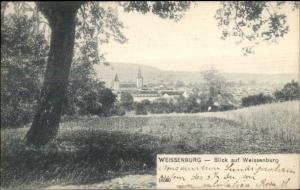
pixel 125 182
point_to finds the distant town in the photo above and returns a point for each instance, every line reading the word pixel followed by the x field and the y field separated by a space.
pixel 170 90
pixel 140 91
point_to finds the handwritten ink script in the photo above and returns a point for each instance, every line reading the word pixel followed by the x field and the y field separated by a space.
pixel 280 171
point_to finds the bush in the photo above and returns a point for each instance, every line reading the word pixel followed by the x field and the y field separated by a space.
pixel 118 110
pixel 290 91
pixel 140 109
pixel 126 100
pixel 256 100
pixel 93 101
pixel 227 107
pixel 192 104
pixel 160 106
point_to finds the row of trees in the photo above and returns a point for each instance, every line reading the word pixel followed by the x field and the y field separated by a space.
pixel 256 100
pixel 290 91
pixel 210 98
pixel 179 105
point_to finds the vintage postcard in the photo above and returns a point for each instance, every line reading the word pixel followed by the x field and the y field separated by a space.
pixel 150 95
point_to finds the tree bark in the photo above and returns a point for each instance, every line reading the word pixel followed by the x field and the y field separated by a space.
pixel 61 18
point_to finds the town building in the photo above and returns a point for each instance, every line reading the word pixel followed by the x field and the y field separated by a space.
pixel 116 84
pixel 141 92
pixel 139 79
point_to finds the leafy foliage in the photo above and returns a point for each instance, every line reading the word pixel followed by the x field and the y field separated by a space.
pixel 24 50
pixel 290 91
pixel 256 100
pixel 165 9
pixel 87 95
pixel 96 25
pixel 253 21
pixel 159 106
pixel 214 83
pixel 23 55
pixel 126 100
pixel 140 109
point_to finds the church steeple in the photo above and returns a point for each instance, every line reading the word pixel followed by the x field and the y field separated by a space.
pixel 139 79
pixel 116 84
pixel 139 73
pixel 116 78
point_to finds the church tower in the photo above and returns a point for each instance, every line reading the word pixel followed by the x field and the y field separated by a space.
pixel 139 79
pixel 116 84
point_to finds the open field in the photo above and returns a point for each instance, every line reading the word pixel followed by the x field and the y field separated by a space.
pixel 89 150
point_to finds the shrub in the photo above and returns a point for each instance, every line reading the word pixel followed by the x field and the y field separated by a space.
pixel 290 91
pixel 118 110
pixel 140 109
pixel 256 100
pixel 126 100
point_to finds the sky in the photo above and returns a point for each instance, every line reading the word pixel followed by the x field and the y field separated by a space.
pixel 194 43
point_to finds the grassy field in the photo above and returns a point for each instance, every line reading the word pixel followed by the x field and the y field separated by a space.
pixel 89 150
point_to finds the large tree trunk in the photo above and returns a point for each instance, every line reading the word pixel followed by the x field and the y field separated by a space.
pixel 61 18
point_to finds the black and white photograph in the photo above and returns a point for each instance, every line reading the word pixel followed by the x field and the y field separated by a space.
pixel 93 91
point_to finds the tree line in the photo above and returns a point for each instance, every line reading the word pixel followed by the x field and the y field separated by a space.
pixel 204 102
pixel 290 91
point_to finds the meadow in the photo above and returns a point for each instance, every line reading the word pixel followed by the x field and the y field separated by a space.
pixel 93 149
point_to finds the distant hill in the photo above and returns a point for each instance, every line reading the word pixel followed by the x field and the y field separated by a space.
pixel 127 73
